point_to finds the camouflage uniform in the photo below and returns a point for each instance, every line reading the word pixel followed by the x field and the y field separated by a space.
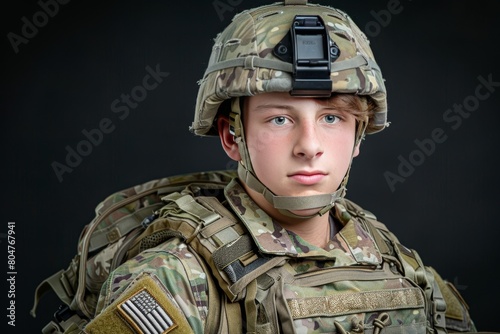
pixel 363 281
pixel 358 293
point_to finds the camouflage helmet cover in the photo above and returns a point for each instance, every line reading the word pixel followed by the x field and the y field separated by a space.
pixel 242 62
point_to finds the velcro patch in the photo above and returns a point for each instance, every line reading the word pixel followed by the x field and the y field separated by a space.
pixel 145 315
pixel 145 307
pixel 356 302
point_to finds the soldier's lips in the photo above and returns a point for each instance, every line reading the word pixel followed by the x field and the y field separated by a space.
pixel 308 178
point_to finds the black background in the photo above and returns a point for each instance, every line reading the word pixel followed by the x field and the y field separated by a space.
pixel 65 78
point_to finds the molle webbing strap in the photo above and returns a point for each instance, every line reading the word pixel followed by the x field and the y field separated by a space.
pixel 227 219
pixel 232 314
pixel 57 282
pixel 251 307
pixel 457 314
pixel 438 307
pixel 295 2
pixel 281 276
pixel 189 205
pixel 379 241
pixel 63 283
pixel 251 62
pixel 71 325
pixel 338 274
pixel 121 227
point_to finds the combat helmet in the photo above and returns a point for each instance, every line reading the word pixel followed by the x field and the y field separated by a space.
pixel 296 47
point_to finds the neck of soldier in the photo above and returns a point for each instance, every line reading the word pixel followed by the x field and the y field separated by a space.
pixel 314 230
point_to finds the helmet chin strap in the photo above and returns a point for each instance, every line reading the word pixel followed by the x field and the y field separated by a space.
pixel 285 204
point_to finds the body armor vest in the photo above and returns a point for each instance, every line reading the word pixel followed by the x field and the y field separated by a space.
pixel 277 294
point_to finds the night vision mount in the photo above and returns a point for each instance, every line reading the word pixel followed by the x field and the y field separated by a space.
pixel 311 51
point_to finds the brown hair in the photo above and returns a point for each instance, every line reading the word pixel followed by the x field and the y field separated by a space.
pixel 360 106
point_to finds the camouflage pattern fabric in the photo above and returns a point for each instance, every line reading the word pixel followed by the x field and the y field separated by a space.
pixel 176 268
pixel 352 290
pixel 242 62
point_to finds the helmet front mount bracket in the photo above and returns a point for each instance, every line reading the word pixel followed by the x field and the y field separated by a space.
pixel 311 51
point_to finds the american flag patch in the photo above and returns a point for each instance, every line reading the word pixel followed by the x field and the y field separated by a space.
pixel 145 315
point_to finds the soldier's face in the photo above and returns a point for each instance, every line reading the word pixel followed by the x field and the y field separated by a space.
pixel 299 146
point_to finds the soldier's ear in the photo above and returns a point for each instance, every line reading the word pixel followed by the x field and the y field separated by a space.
pixel 356 150
pixel 227 139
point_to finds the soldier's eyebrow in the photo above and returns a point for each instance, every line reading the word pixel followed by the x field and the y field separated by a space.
pixel 267 106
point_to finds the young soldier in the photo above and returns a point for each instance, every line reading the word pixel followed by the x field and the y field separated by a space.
pixel 291 90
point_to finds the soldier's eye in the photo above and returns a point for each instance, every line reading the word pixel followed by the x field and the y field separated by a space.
pixel 331 119
pixel 280 120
